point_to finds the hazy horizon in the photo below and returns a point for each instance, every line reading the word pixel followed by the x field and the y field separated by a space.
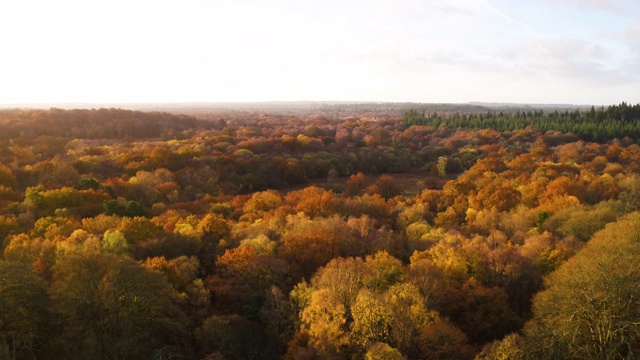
pixel 248 51
pixel 273 104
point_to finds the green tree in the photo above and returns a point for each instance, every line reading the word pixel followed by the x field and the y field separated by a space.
pixel 114 241
pixel 113 207
pixel 134 209
pixel 87 183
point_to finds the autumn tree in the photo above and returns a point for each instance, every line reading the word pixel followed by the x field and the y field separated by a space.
pixel 382 271
pixel 408 316
pixel 215 230
pixel 371 320
pixel 482 312
pixel 311 243
pixel 387 186
pixel 115 242
pixel 355 185
pixel 325 322
pixel 278 316
pixel 234 337
pixel 430 281
pixel 138 230
pixel 382 351
pixel 263 202
pixel 180 272
pixel 373 206
pixel 313 201
pixel 562 192
pixel 442 165
pixel 590 309
pixel 511 347
pixel 345 277
pixel 242 277
pixel 23 315
pixel 443 340
pixel 501 197
pixel 7 178
pixel 8 225
pixel 113 308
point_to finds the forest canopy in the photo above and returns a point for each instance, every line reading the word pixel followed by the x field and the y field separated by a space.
pixel 361 231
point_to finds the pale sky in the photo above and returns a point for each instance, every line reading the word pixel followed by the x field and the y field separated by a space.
pixel 534 51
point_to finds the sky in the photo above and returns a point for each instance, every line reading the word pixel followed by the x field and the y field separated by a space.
pixel 456 51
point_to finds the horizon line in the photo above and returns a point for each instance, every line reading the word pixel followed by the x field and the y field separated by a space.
pixel 178 104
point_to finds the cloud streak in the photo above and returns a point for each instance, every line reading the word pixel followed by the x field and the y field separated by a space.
pixel 507 18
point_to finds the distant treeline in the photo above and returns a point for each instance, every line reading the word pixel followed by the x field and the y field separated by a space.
pixel 95 124
pixel 600 125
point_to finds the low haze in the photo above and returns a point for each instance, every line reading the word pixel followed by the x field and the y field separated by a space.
pixel 542 51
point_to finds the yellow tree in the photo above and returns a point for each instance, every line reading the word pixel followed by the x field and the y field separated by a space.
pixel 509 348
pixel 371 320
pixel 325 322
pixel 382 271
pixel 382 351
pixel 591 309
pixel 260 204
pixel 138 230
pixel 343 276
pixel 408 316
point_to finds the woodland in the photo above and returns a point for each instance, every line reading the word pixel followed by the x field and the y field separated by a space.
pixel 335 232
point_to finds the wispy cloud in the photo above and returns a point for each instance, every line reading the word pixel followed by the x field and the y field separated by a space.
pixel 579 60
pixel 507 18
